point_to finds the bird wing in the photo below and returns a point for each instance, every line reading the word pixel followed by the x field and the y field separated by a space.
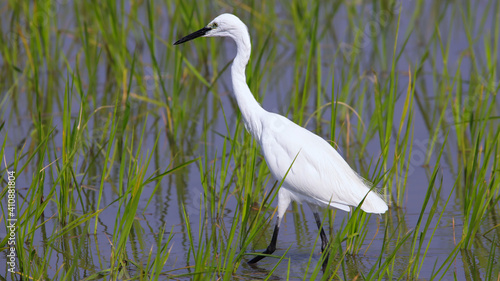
pixel 318 173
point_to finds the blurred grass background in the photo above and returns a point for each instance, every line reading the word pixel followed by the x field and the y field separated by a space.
pixel 132 162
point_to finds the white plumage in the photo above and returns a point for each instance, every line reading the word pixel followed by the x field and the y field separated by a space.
pixel 319 176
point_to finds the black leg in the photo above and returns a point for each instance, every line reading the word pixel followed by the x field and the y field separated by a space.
pixel 324 240
pixel 272 246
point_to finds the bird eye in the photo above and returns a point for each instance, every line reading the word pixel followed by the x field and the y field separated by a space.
pixel 214 25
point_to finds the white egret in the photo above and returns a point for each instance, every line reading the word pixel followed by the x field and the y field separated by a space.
pixel 319 176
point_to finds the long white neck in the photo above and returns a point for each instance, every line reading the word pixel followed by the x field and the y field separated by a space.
pixel 251 110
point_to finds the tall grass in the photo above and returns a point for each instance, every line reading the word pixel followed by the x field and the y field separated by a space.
pixel 131 160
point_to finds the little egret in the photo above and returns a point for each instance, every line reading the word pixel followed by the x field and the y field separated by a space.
pixel 317 174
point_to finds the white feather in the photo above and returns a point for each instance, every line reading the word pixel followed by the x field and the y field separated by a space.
pixel 319 174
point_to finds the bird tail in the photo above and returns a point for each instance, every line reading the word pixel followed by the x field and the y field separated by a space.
pixel 366 195
pixel 373 203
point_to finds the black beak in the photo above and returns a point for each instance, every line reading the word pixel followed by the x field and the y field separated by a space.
pixel 193 35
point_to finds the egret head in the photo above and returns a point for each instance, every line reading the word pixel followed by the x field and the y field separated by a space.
pixel 225 25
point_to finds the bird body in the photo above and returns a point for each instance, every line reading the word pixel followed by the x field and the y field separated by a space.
pixel 317 174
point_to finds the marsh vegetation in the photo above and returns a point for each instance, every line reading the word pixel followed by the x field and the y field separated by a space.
pixel 132 162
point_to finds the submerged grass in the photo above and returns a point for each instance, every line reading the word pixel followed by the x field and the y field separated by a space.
pixel 131 160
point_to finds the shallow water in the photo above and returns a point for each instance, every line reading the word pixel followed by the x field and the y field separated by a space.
pixel 184 188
